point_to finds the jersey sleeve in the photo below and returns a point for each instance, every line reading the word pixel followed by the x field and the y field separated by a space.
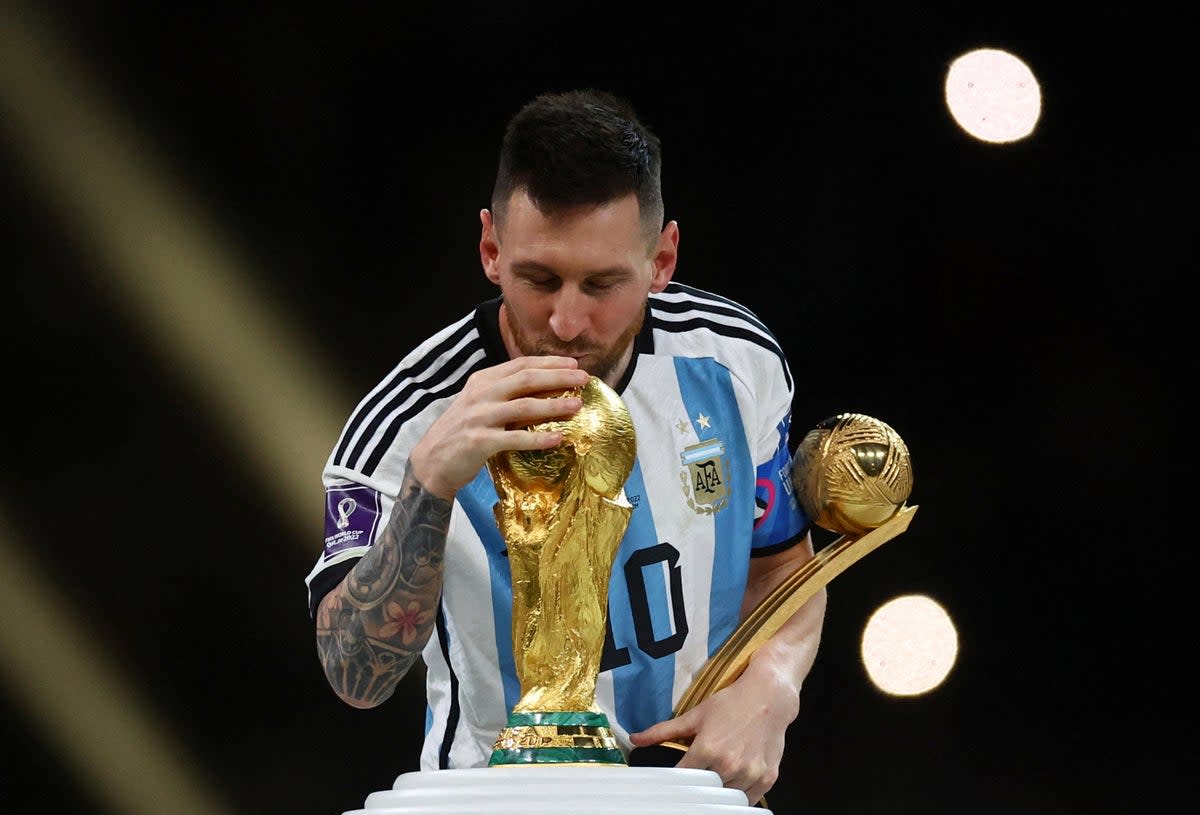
pixel 366 466
pixel 779 520
pixel 354 517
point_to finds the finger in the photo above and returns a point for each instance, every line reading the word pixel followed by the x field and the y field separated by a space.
pixel 754 778
pixel 530 381
pixel 528 440
pixel 486 379
pixel 669 730
pixel 755 794
pixel 532 409
pixel 532 363
pixel 697 759
pixel 547 361
pixel 761 786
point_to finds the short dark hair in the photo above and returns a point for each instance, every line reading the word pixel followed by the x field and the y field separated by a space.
pixel 580 148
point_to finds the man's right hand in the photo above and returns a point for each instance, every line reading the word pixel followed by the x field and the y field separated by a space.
pixel 476 425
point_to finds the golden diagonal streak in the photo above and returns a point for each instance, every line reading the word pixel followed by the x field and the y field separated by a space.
pixel 187 291
pixel 176 276
pixel 122 753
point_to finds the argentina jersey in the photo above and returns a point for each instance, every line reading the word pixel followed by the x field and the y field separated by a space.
pixel 710 399
pixel 710 394
pixel 711 489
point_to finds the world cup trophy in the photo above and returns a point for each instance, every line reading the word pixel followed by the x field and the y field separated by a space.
pixel 562 513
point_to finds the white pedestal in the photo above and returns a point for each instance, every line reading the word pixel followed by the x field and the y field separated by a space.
pixel 563 790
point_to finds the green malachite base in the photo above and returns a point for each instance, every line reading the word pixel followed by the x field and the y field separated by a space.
pixel 556 738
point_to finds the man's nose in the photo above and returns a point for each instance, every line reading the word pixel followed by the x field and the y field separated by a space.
pixel 569 317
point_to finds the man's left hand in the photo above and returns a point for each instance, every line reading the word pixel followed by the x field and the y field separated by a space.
pixel 737 732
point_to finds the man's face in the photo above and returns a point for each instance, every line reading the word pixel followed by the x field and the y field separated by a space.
pixel 576 284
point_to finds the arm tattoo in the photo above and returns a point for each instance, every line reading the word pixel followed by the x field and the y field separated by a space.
pixel 372 627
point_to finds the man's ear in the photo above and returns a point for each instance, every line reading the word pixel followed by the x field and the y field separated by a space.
pixel 666 255
pixel 489 247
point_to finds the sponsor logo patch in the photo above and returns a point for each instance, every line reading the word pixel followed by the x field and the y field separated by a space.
pixel 351 518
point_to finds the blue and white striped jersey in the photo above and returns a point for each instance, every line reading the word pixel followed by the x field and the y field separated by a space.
pixel 710 395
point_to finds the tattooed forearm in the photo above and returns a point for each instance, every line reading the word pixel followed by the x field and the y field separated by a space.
pixel 372 627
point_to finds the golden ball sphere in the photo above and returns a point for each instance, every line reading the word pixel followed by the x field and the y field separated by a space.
pixel 851 473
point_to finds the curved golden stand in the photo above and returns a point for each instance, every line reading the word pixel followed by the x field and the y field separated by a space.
pixel 731 659
pixel 797 589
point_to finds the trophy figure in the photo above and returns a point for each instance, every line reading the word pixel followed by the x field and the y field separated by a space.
pixel 853 475
pixel 562 513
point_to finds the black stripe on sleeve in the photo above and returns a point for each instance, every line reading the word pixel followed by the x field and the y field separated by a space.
pixel 389 435
pixel 783 546
pixel 706 301
pixel 727 331
pixel 453 714
pixel 326 581
pixel 389 391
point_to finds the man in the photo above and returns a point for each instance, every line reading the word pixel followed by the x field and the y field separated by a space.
pixel 413 564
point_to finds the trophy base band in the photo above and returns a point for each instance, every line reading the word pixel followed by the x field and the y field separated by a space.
pixel 582 737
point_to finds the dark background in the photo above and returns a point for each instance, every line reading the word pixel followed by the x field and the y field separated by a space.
pixel 1018 313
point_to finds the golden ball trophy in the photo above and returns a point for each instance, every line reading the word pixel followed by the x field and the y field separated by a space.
pixel 852 474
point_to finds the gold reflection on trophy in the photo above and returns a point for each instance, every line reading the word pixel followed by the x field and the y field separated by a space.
pixel 562 513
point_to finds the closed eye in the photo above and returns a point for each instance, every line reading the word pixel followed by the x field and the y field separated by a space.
pixel 544 283
pixel 599 286
pixel 542 278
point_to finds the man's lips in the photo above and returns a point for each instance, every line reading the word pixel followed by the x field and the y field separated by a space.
pixel 564 352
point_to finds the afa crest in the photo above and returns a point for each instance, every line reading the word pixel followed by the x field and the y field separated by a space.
pixel 705 476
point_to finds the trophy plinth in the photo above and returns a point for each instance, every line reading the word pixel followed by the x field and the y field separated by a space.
pixel 562 513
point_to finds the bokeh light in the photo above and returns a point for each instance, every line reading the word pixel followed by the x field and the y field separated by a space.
pixel 909 645
pixel 993 95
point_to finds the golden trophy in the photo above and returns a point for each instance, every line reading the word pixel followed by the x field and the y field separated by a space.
pixel 853 475
pixel 562 513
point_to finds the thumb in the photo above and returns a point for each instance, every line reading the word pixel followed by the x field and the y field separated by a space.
pixel 669 730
